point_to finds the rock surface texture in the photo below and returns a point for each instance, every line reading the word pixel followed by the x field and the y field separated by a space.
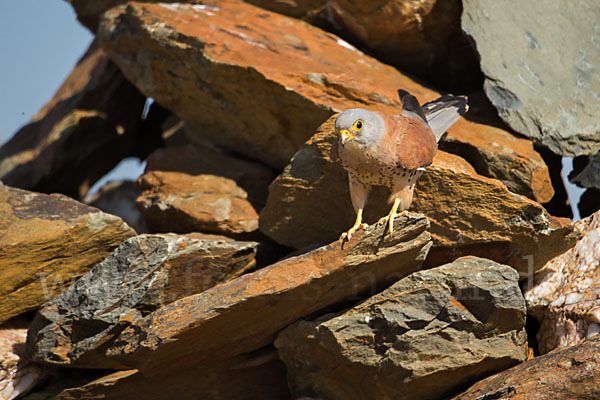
pixel 47 242
pixel 545 87
pixel 565 296
pixel 425 336
pixel 90 124
pixel 310 203
pixel 143 274
pixel 565 374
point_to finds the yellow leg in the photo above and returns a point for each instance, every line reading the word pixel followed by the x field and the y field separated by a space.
pixel 357 225
pixel 390 217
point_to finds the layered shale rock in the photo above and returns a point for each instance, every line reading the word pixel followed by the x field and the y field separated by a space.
pixel 143 274
pixel 89 125
pixel 228 330
pixel 564 295
pixel 565 374
pixel 178 202
pixel 470 214
pixel 47 242
pixel 543 83
pixel 425 336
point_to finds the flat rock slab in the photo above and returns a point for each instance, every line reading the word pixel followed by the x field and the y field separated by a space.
pixel 470 214
pixel 422 338
pixel 565 374
pixel 546 86
pixel 47 242
pixel 143 274
pixel 81 134
pixel 179 202
pixel 242 316
pixel 564 296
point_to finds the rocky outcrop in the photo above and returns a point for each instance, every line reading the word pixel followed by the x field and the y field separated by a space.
pixel 470 214
pixel 255 307
pixel 17 374
pixel 178 202
pixel 425 336
pixel 47 242
pixel 565 374
pixel 563 296
pixel 143 274
pixel 90 124
pixel 544 87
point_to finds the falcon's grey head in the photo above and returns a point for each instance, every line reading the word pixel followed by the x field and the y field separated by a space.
pixel 360 126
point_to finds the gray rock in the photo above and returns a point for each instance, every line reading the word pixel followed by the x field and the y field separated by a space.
pixel 540 60
pixel 142 274
pixel 588 174
pixel 423 338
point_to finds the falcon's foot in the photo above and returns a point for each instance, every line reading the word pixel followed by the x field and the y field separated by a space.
pixel 389 219
pixel 357 225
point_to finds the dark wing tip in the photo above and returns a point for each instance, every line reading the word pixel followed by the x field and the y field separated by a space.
pixel 410 103
pixel 461 103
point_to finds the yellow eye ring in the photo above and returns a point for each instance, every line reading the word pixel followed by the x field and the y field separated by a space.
pixel 358 125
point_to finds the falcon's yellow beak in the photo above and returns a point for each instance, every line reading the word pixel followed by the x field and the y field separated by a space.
pixel 346 136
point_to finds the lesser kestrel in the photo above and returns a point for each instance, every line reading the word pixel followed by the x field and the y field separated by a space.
pixel 391 150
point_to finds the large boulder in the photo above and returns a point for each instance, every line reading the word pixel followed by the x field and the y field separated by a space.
pixel 143 274
pixel 309 203
pixel 423 338
pixel 47 242
pixel 540 61
pixel 563 296
pixel 84 131
pixel 565 374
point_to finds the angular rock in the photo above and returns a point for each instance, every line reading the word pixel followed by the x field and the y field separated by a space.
pixel 17 374
pixel 586 171
pixel 309 203
pixel 47 242
pixel 545 87
pixel 496 153
pixel 564 295
pixel 262 81
pixel 252 309
pixel 565 374
pixel 143 274
pixel 178 202
pixel 422 338
pixel 89 125
pixel 202 158
pixel 118 198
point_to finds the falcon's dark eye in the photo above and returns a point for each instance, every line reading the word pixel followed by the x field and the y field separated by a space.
pixel 358 125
